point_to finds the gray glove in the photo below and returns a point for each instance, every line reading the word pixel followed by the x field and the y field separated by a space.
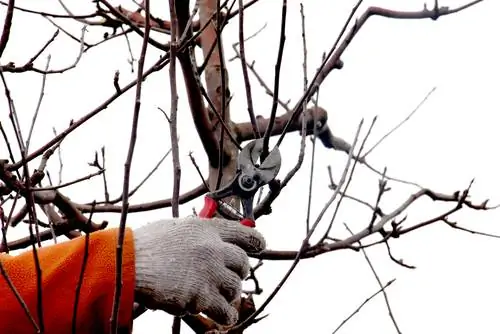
pixel 193 265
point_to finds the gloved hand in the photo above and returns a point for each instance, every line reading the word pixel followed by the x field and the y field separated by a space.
pixel 194 265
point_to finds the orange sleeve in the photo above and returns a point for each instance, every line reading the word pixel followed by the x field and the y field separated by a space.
pixel 61 265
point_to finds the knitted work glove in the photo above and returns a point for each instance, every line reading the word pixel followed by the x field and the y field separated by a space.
pixel 193 265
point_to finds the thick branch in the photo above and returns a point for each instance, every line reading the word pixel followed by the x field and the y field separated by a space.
pixel 189 68
pixel 216 78
pixel 315 118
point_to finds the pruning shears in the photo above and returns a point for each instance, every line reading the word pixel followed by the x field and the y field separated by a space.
pixel 250 176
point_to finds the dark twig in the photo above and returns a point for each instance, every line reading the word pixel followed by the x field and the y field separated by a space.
pixel 147 206
pixel 252 276
pixel 393 259
pixel 126 177
pixel 248 87
pixel 213 109
pixel 277 69
pixel 173 110
pixel 125 32
pixel 19 298
pixel 82 274
pixel 9 147
pixel 313 158
pixel 7 24
pixel 44 47
pixel 164 114
pixel 176 325
pixel 455 226
pixel 198 170
pixel 67 33
pixel 62 185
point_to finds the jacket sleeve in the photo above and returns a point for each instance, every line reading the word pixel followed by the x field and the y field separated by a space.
pixel 61 267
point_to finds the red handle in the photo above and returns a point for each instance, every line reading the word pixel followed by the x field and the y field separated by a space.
pixel 209 208
pixel 247 222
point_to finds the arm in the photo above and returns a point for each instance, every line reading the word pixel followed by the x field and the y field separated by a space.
pixel 181 266
pixel 61 266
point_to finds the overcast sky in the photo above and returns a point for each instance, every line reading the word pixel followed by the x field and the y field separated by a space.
pixel 389 68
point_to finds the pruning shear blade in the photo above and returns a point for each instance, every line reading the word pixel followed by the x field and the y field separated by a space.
pixel 249 178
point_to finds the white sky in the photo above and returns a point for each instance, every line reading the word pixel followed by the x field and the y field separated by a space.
pixel 389 68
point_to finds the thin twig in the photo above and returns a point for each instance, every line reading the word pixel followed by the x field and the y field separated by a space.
pixel 162 62
pixel 173 111
pixel 304 69
pixel 339 187
pixel 277 69
pixel 129 47
pixel 198 170
pixel 29 200
pixel 59 155
pixel 126 177
pixel 382 188
pixel 363 304
pixel 43 48
pixel 9 147
pixel 400 123
pixel 82 274
pixel 104 180
pixel 379 281
pixel 19 298
pixel 248 87
pixel 62 185
pixel 39 104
